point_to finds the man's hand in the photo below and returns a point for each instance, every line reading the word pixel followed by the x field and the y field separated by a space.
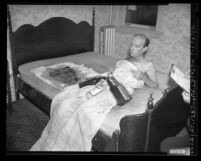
pixel 139 75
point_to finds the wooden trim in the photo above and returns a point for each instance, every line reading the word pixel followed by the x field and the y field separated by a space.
pixel 115 137
pixel 159 17
pixel 102 141
pixel 134 30
pixel 12 50
pixel 9 98
pixel 93 29
pixel 148 129
pixel 118 19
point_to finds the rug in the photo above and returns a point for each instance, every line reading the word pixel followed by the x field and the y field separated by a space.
pixel 24 125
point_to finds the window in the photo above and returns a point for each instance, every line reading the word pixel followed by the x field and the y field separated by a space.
pixel 143 16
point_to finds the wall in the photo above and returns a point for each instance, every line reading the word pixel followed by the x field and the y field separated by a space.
pixel 172 46
pixel 35 14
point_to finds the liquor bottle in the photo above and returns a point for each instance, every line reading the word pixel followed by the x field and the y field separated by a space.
pixel 126 96
pixel 118 90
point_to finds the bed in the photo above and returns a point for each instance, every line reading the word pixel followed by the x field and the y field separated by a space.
pixel 59 40
pixel 53 38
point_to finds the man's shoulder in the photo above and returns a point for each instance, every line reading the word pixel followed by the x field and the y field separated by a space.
pixel 150 66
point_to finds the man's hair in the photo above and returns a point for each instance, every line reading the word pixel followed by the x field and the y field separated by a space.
pixel 147 41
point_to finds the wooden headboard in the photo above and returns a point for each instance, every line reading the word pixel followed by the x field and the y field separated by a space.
pixel 55 37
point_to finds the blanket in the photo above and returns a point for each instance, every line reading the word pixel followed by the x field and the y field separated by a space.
pixel 82 72
pixel 75 119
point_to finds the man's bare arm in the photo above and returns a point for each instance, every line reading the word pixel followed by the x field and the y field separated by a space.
pixel 151 78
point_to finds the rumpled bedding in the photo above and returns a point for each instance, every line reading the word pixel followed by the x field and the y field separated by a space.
pixel 74 119
pixel 82 71
pixel 124 74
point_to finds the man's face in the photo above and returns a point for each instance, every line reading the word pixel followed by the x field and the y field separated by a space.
pixel 137 46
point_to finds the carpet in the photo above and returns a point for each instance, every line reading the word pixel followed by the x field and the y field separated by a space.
pixel 24 125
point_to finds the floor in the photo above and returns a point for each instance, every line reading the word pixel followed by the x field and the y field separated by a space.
pixel 24 125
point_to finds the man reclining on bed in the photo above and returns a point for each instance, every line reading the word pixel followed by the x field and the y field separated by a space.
pixel 76 118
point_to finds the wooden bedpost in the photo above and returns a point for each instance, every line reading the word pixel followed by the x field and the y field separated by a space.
pixel 14 66
pixel 115 137
pixel 8 86
pixel 148 129
pixel 93 29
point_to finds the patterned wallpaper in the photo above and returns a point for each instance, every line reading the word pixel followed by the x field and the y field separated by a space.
pixel 172 46
pixel 35 14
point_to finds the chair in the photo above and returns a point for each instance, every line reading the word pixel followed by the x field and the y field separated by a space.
pixel 144 132
pixel 168 118
pixel 133 134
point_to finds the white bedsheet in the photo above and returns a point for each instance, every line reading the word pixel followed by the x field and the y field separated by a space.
pixel 74 120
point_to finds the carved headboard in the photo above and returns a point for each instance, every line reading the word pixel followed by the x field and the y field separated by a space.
pixel 55 37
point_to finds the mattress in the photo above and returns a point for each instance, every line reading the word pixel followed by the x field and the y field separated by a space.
pixel 100 63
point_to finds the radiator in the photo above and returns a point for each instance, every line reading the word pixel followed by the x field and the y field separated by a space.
pixel 107 40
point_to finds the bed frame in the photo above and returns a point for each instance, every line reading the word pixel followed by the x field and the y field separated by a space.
pixel 55 37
